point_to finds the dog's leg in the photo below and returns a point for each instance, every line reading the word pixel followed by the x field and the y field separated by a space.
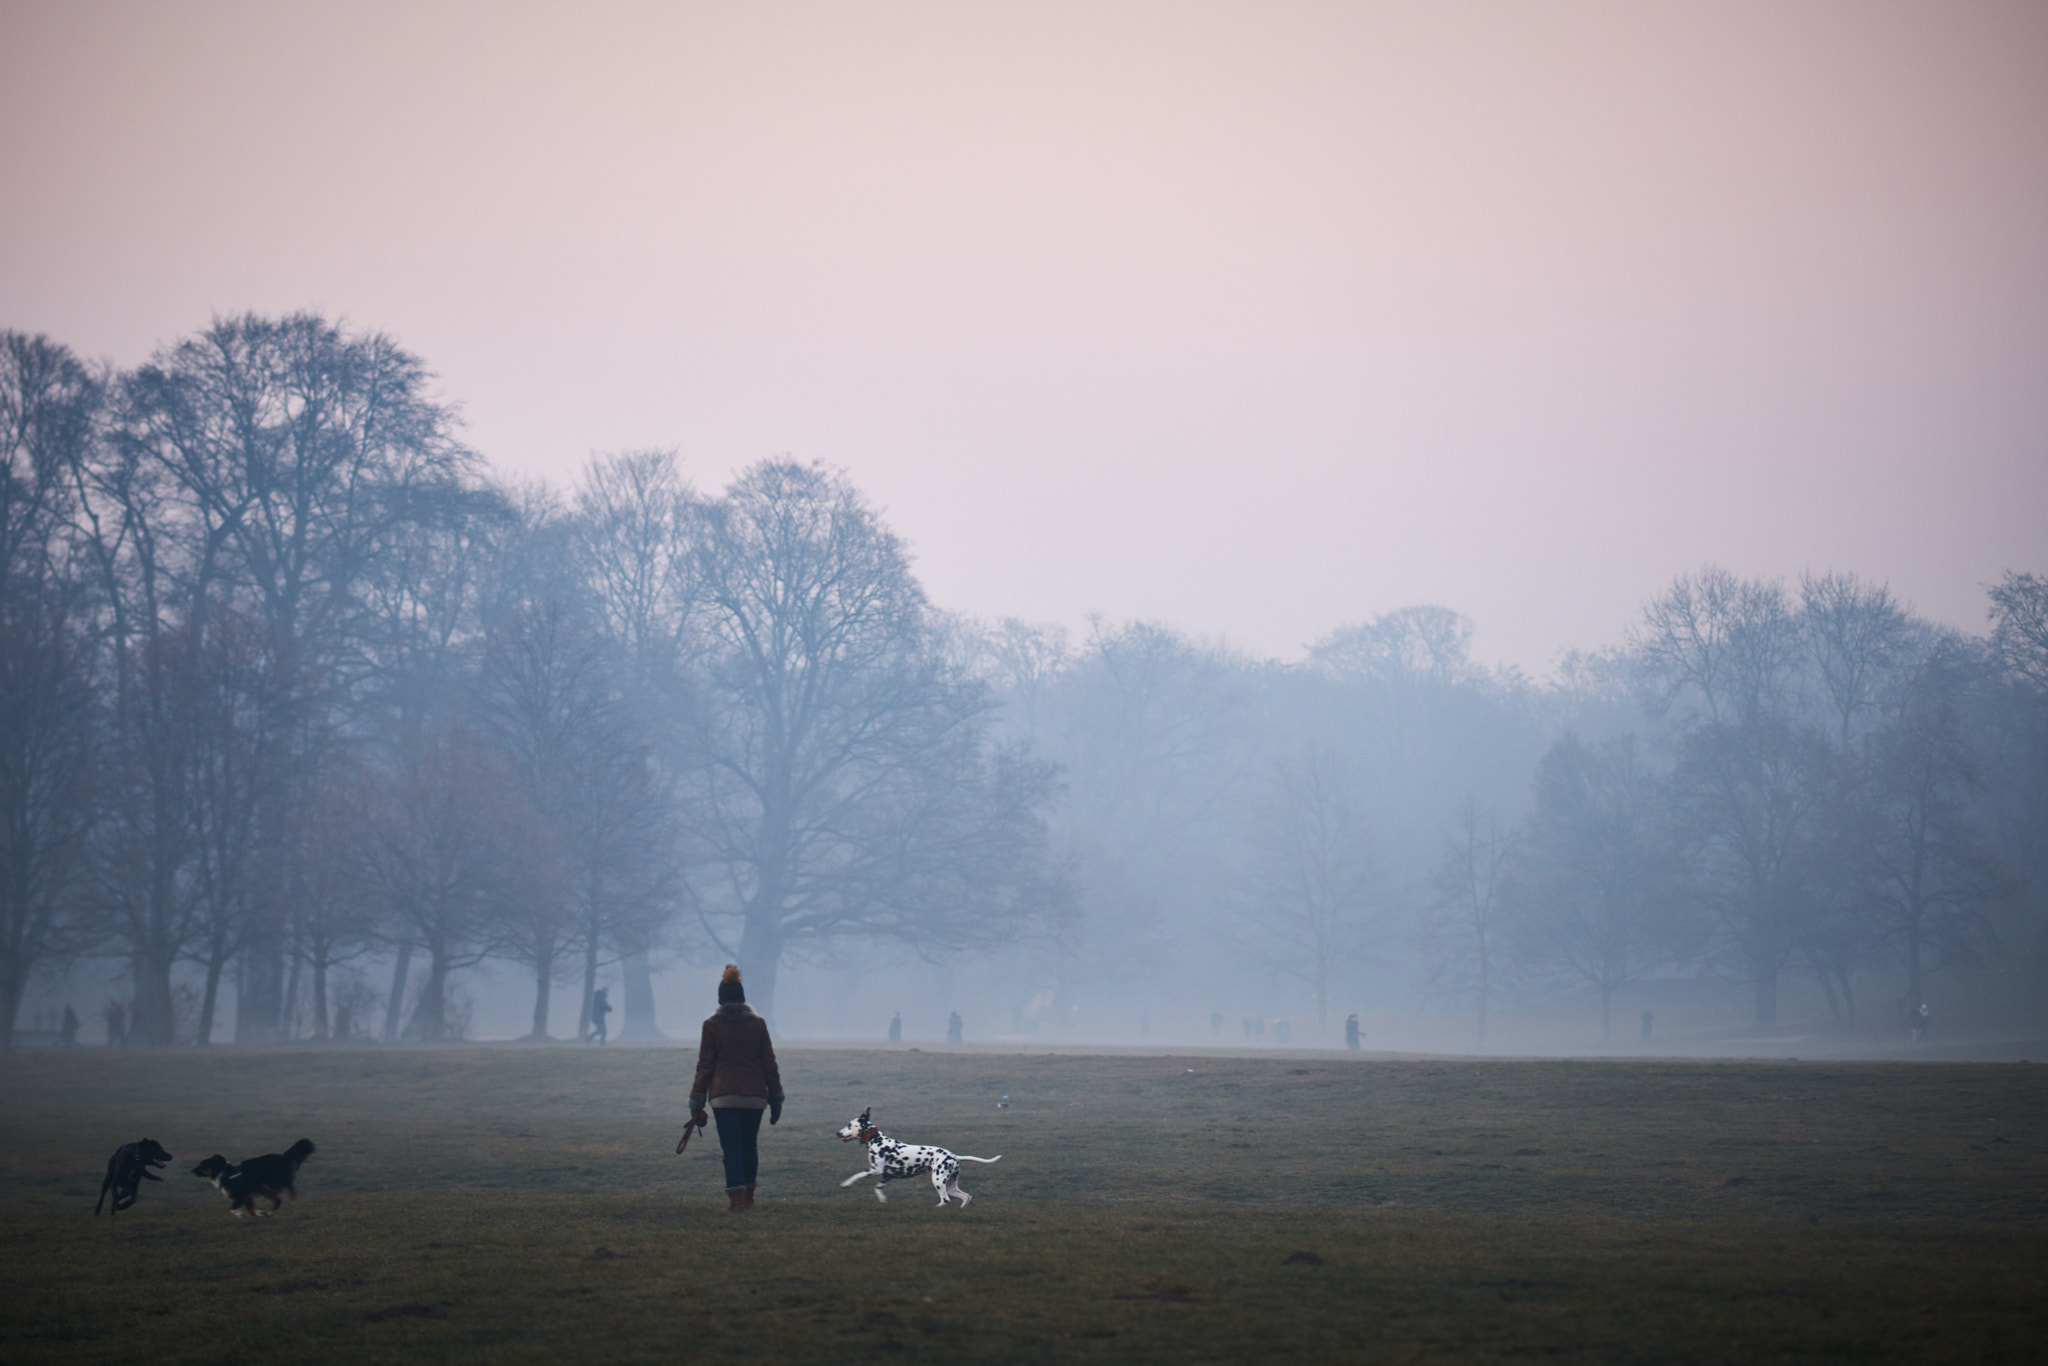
pixel 855 1177
pixel 882 1191
pixel 964 1196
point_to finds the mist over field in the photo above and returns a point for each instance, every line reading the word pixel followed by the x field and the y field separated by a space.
pixel 1429 528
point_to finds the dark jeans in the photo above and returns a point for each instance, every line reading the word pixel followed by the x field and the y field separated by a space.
pixel 738 1132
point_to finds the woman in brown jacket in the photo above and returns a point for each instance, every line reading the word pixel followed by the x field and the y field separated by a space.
pixel 736 1071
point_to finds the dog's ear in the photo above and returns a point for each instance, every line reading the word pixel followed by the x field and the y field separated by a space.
pixel 864 1115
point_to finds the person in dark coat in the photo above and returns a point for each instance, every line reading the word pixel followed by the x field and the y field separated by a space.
pixel 1351 1031
pixel 954 1026
pixel 896 1027
pixel 737 1076
pixel 70 1026
pixel 600 1006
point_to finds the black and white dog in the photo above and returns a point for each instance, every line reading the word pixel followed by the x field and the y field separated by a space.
pixel 887 1158
pixel 127 1169
pixel 270 1176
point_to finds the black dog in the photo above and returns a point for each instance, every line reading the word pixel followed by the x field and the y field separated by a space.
pixel 126 1169
pixel 270 1176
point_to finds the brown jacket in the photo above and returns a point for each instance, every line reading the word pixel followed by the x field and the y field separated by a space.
pixel 735 1058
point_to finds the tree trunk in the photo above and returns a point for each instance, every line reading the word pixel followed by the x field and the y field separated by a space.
pixel 639 1020
pixel 396 1005
pixel 760 956
pixel 429 1023
pixel 288 1019
pixel 211 1000
pixel 320 1030
pixel 583 1026
pixel 10 1005
pixel 259 1006
pixel 1484 986
pixel 1913 996
pixel 149 1017
pixel 1767 998
pixel 543 984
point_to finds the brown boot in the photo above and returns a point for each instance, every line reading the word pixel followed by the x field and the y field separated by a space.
pixel 737 1195
pixel 750 1196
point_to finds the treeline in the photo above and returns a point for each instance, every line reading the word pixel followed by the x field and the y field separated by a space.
pixel 286 682
pixel 1761 781
pixel 289 683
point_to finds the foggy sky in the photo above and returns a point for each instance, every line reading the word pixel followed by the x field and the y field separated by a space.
pixel 1255 318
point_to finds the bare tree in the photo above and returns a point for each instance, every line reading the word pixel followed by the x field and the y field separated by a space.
pixel 1593 884
pixel 1859 638
pixel 1465 932
pixel 1310 884
pixel 1755 800
pixel 2019 626
pixel 1933 875
pixel 844 786
pixel 581 753
pixel 289 449
pixel 1423 645
pixel 49 408
pixel 632 528
pixel 449 853
pixel 1732 644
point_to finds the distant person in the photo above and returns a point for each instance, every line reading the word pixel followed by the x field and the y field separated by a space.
pixel 1922 1021
pixel 1351 1032
pixel 70 1027
pixel 1649 1022
pixel 117 1024
pixel 737 1075
pixel 600 1006
pixel 1215 1022
pixel 896 1027
pixel 955 1027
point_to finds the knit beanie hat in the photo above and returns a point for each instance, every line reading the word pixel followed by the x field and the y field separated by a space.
pixel 730 992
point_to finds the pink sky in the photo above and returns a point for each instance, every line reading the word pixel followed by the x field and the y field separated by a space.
pixel 1254 318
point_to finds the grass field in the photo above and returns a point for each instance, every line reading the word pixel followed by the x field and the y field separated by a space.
pixel 513 1204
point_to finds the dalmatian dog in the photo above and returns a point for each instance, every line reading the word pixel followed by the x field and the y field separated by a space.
pixel 887 1158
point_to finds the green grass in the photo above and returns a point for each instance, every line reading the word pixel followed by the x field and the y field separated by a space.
pixel 1143 1211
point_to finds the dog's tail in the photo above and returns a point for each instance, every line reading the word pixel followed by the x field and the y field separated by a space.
pixel 965 1158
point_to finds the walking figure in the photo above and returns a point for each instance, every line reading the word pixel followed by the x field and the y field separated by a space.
pixel 896 1027
pixel 1921 1021
pixel 600 1006
pixel 70 1026
pixel 1351 1031
pixel 738 1079
pixel 954 1027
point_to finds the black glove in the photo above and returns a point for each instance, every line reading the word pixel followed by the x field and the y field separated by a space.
pixel 774 1111
pixel 700 1119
